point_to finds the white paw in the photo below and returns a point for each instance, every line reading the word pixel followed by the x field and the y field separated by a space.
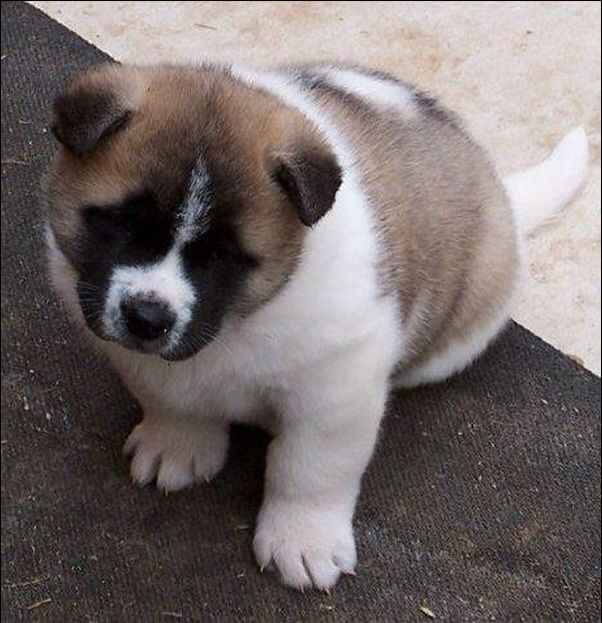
pixel 177 454
pixel 309 546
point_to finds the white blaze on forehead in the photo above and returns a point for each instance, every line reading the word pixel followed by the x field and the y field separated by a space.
pixel 196 209
pixel 378 91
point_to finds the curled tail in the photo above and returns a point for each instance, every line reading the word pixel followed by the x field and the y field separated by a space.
pixel 539 192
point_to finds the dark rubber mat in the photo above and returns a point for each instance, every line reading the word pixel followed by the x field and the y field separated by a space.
pixel 482 502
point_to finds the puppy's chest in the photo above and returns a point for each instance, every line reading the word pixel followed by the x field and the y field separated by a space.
pixel 224 395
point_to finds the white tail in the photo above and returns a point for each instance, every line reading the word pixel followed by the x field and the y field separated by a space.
pixel 539 192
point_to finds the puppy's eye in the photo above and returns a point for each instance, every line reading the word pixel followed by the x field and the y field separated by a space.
pixel 217 247
pixel 203 251
pixel 102 216
pixel 107 221
pixel 223 249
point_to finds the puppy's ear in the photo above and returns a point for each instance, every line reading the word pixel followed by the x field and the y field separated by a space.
pixel 97 104
pixel 310 177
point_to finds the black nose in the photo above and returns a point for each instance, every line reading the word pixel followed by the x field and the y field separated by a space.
pixel 147 320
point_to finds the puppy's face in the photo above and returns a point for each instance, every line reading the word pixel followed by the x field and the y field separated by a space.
pixel 180 197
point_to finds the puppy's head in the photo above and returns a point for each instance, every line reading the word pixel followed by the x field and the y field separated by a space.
pixel 180 197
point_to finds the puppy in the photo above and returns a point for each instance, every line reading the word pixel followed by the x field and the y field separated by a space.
pixel 282 247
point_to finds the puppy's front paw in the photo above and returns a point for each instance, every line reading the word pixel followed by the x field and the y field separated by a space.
pixel 309 546
pixel 176 453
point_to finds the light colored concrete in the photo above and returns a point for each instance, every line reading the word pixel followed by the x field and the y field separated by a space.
pixel 520 73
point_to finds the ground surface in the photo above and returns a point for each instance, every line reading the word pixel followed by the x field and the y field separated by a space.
pixel 482 502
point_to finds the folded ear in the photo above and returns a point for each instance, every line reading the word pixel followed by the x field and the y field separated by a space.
pixel 310 177
pixel 96 105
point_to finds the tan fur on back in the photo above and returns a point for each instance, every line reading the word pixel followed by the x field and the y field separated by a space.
pixel 448 238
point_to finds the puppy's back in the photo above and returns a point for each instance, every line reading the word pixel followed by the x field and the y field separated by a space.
pixel 448 246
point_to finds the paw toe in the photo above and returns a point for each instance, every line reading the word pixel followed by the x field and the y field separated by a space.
pixel 292 569
pixel 175 474
pixel 345 557
pixel 323 572
pixel 144 467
